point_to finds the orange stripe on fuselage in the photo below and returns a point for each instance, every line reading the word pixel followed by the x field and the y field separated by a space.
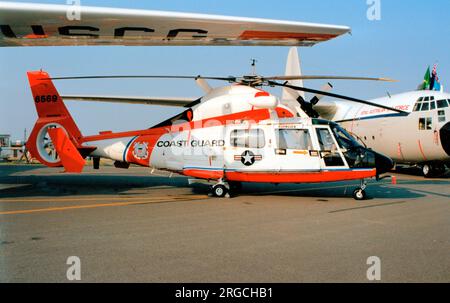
pixel 300 177
pixel 269 35
pixel 203 173
pixel 253 115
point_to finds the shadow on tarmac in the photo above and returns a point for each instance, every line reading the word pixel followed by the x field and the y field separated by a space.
pixel 118 184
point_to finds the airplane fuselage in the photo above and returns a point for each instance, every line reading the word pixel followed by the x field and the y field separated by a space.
pixel 422 136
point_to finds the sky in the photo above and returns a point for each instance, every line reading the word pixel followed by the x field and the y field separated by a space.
pixel 409 36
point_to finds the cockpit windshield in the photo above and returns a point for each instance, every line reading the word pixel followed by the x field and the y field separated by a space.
pixel 344 139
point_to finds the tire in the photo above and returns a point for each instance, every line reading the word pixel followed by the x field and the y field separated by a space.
pixel 428 171
pixel 219 191
pixel 359 194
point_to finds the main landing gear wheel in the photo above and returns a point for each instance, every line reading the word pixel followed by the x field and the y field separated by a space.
pixel 427 171
pixel 433 170
pixel 220 191
pixel 359 194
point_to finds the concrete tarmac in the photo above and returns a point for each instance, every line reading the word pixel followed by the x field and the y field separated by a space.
pixel 130 226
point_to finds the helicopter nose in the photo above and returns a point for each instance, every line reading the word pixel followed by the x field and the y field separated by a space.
pixel 445 137
pixel 383 163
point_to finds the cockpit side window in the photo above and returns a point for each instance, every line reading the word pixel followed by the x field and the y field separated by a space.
pixel 442 103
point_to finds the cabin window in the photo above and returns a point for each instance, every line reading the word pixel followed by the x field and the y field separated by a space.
pixel 294 139
pixel 442 103
pixel 4 141
pixel 441 115
pixel 425 123
pixel 250 138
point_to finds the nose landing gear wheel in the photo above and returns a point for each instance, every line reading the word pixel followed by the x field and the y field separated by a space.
pixel 219 191
pixel 359 194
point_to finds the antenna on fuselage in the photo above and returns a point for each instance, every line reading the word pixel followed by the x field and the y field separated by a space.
pixel 253 66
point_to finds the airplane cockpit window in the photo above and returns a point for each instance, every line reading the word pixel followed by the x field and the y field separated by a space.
pixel 442 103
pixel 432 105
pixel 425 104
pixel 250 138
pixel 294 139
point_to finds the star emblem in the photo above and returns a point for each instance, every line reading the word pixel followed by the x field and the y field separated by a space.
pixel 248 158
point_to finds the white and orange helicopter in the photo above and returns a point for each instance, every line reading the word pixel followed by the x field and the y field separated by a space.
pixel 236 133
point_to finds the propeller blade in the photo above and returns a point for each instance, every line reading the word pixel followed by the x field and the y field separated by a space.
pixel 327 87
pixel 300 77
pixel 314 91
pixel 204 85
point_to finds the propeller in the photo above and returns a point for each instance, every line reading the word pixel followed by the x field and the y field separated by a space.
pixel 324 93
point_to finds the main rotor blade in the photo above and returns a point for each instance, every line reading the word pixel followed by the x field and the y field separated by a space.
pixel 230 79
pixel 315 91
pixel 300 77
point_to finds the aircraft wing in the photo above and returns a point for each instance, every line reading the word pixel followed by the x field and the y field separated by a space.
pixel 180 102
pixel 27 24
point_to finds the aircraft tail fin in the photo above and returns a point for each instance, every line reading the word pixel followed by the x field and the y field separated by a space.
pixel 52 114
pixel 293 68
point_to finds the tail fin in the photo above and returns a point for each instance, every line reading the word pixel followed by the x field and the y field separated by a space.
pixel 293 68
pixel 52 113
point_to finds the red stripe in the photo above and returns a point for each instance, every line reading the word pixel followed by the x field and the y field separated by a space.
pixel 252 115
pixel 269 35
pixel 299 177
pixel 421 150
pixel 203 174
